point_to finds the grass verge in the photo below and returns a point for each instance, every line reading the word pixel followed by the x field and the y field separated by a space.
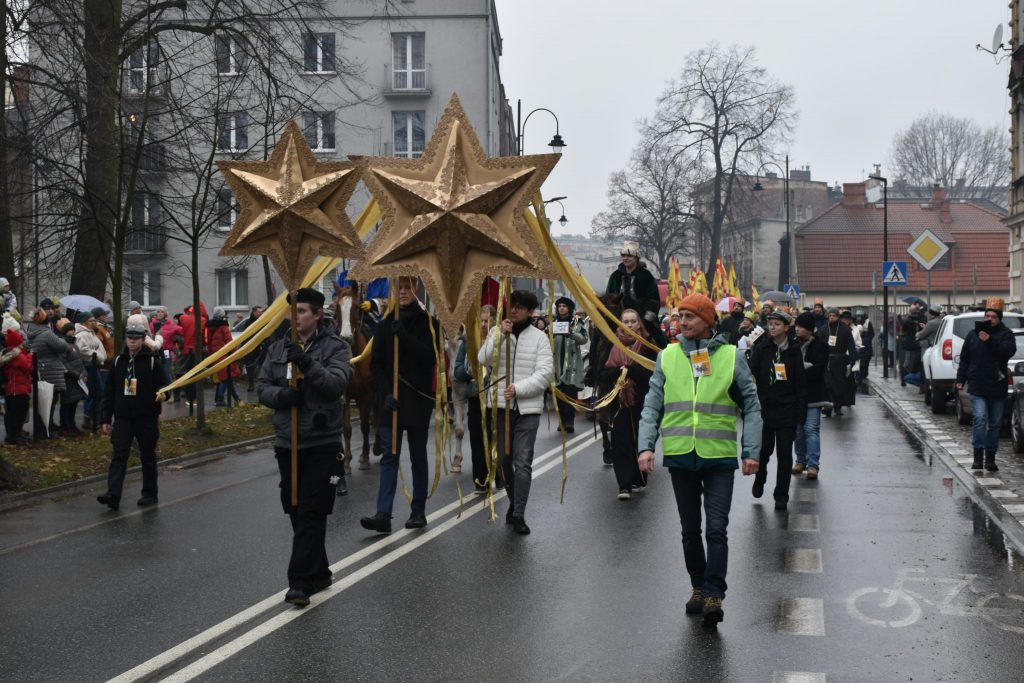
pixel 60 460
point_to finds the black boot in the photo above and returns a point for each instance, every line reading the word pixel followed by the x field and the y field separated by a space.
pixel 978 453
pixel 990 461
pixel 380 522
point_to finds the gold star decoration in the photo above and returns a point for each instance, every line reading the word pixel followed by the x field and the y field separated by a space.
pixel 292 208
pixel 455 216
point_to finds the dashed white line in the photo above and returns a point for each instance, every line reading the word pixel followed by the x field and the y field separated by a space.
pixel 1001 493
pixel 1016 509
pixel 803 560
pixel 989 481
pixel 797 677
pixel 800 522
pixel 802 617
pixel 807 495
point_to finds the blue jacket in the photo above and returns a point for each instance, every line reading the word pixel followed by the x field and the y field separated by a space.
pixel 743 393
pixel 983 363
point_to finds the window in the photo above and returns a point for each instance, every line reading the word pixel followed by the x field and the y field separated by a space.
pixel 1020 140
pixel 142 67
pixel 946 262
pixel 410 69
pixel 410 133
pixel 227 209
pixel 230 56
pixel 318 52
pixel 232 288
pixel 145 233
pixel 318 128
pixel 144 286
pixel 232 131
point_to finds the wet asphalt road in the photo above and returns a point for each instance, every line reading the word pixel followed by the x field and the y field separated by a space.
pixel 862 580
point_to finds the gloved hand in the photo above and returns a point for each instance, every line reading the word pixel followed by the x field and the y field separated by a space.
pixel 391 403
pixel 290 396
pixel 298 356
pixel 398 328
pixel 365 305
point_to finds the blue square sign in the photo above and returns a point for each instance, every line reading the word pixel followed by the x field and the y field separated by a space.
pixel 894 273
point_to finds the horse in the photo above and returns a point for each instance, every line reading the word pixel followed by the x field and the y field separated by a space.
pixel 600 348
pixel 360 387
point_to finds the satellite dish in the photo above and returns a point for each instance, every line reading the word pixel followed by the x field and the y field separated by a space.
pixel 997 38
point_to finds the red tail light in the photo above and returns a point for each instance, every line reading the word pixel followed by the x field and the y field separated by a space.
pixel 947 349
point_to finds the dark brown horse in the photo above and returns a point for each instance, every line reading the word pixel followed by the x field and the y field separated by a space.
pixel 600 348
pixel 360 387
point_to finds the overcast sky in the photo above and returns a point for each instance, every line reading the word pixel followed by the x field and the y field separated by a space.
pixel 861 72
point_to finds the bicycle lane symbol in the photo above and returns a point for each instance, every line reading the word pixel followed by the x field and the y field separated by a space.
pixel 900 605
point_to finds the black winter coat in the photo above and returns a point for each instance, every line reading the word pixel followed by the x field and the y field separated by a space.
pixel 815 354
pixel 910 325
pixel 731 325
pixel 416 363
pixel 150 376
pixel 783 402
pixel 639 289
pixel 983 363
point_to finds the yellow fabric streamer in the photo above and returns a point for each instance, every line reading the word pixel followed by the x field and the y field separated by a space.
pixel 266 324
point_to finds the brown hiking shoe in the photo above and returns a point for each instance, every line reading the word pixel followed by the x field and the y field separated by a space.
pixel 696 602
pixel 713 612
pixel 798 468
pixel 812 473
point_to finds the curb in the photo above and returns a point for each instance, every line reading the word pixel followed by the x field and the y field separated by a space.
pixel 1011 527
pixel 19 500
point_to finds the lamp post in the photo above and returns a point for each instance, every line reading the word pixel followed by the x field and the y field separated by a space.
pixel 885 257
pixel 556 144
pixel 784 265
pixel 563 220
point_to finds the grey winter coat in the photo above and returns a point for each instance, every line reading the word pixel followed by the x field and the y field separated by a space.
pixel 75 370
pixel 568 355
pixel 50 352
pixel 321 412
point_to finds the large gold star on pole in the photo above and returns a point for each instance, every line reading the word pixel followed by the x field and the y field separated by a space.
pixel 454 217
pixel 292 208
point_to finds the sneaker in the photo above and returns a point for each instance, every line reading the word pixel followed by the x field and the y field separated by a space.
pixel 479 490
pixel 417 520
pixel 812 473
pixel 519 526
pixel 798 468
pixel 624 494
pixel 380 522
pixel 297 597
pixel 112 502
pixel 712 611
pixel 696 602
pixel 638 488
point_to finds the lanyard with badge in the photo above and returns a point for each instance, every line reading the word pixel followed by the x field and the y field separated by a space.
pixel 131 384
pixel 779 373
pixel 832 337
pixel 700 360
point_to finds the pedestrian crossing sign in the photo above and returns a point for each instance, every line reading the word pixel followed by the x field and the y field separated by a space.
pixel 895 273
pixel 792 292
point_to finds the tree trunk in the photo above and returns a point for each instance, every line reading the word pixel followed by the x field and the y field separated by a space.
pixel 198 339
pixel 6 231
pixel 98 215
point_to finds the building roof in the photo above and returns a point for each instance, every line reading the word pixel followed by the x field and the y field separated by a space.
pixel 839 250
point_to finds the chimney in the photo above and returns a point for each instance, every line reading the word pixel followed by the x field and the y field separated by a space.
pixel 800 174
pixel 854 194
pixel 19 83
pixel 940 203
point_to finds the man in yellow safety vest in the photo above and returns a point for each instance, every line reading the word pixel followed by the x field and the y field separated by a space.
pixel 699 390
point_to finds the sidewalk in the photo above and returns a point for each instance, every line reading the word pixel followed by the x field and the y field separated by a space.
pixel 1000 494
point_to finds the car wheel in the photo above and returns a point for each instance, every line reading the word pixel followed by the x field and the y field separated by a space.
pixel 961 415
pixel 1016 437
pixel 939 397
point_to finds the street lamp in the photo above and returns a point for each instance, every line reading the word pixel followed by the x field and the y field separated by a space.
pixel 563 220
pixel 885 257
pixel 783 267
pixel 556 144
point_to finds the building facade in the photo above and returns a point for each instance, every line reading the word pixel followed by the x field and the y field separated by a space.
pixel 1015 219
pixel 358 83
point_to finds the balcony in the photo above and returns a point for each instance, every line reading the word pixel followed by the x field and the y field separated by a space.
pixel 148 240
pixel 407 82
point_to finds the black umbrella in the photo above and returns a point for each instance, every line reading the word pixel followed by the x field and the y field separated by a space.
pixel 914 300
pixel 775 295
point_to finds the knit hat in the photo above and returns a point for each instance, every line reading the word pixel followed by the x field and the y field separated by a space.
pixel 136 325
pixel 98 311
pixel 13 338
pixel 84 317
pixel 846 314
pixel 630 248
pixel 219 313
pixel 4 282
pixel 132 305
pixel 567 301
pixel 806 321
pixel 66 327
pixel 46 304
pixel 700 306
pixel 9 323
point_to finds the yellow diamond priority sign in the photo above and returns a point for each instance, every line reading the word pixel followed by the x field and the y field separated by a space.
pixel 927 249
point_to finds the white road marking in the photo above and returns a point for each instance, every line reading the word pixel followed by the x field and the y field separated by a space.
pixel 803 560
pixel 1001 493
pixel 162 660
pixel 797 677
pixel 966 462
pixel 806 495
pixel 802 617
pixel 989 481
pixel 799 522
pixel 1016 509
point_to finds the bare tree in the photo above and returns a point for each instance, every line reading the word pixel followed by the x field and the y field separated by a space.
pixel 646 203
pixel 957 153
pixel 727 113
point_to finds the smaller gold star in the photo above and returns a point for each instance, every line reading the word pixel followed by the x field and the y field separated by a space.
pixel 293 208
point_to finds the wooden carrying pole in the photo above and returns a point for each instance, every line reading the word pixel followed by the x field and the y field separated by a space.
pixel 508 379
pixel 394 376
pixel 294 383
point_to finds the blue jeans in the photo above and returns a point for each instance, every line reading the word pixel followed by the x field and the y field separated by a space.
pixel 988 420
pixel 389 468
pixel 808 439
pixel 707 571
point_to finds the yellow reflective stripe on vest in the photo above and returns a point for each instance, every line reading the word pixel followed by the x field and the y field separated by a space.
pixel 699 416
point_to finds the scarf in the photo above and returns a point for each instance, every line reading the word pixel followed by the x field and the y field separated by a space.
pixel 618 358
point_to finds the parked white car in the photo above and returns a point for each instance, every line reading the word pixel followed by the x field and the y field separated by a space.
pixel 942 359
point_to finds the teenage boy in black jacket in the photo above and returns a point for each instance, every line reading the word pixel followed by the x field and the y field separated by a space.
pixel 131 411
pixel 778 369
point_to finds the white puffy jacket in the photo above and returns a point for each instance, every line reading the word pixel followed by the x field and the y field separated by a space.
pixel 531 368
pixel 88 343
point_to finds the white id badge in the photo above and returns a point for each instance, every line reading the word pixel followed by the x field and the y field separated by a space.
pixel 780 372
pixel 288 372
pixel 561 327
pixel 832 340
pixel 700 360
pixel 131 386
pixel 167 354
